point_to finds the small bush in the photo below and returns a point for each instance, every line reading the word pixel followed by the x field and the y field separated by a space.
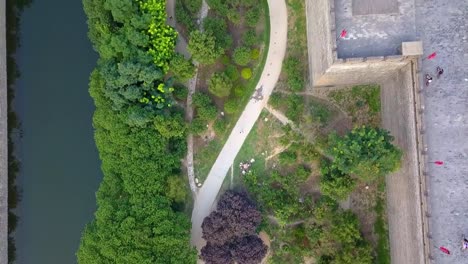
pixel 239 91
pixel 250 37
pixel 252 16
pixel 184 17
pixel 220 126
pixel 180 92
pixel 201 99
pixel 246 73
pixel 294 71
pixel 234 16
pixel 193 6
pixel 225 60
pixel 255 54
pixel 198 126
pixel 287 157
pixel 232 72
pixel 207 113
pixel 295 109
pixel 230 106
pixel 275 99
pixel 241 56
pixel 321 113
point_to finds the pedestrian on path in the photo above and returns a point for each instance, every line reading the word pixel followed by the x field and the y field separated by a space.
pixel 439 71
pixel 428 79
pixel 464 243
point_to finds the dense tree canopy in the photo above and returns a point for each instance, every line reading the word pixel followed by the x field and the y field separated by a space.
pixel 235 216
pixel 140 138
pixel 365 152
pixel 134 221
pixel 135 47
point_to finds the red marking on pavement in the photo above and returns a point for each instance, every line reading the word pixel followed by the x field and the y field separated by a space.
pixel 431 56
pixel 438 162
pixel 343 33
pixel 446 251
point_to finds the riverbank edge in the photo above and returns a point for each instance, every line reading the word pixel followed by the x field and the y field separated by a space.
pixel 3 139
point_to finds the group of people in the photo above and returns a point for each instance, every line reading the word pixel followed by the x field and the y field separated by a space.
pixel 439 72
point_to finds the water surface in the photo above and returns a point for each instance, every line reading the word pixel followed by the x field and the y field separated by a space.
pixel 60 166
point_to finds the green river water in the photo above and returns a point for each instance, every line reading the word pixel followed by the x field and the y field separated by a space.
pixel 60 170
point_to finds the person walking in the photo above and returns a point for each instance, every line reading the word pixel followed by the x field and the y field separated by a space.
pixel 428 79
pixel 439 71
pixel 464 243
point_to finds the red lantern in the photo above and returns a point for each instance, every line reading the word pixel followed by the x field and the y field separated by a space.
pixel 431 56
pixel 343 33
pixel 446 251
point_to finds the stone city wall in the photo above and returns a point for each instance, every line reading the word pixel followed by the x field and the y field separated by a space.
pixel 3 140
pixel 319 35
pixel 361 70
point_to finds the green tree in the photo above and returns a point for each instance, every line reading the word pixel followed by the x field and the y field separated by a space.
pixel 252 16
pixel 220 85
pixel 241 56
pixel 177 191
pixel 250 37
pixel 203 47
pixel 198 126
pixel 218 28
pixel 246 73
pixel 231 105
pixel 170 126
pixel 232 72
pixel 365 152
pixel 334 183
pixel 183 69
pixel 234 16
pixel 287 157
pixel 220 126
pixel 193 6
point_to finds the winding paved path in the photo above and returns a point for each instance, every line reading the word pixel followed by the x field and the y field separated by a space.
pixel 207 194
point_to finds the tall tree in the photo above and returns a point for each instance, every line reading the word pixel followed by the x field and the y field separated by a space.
pixel 365 152
pixel 220 84
pixel 203 47
pixel 235 216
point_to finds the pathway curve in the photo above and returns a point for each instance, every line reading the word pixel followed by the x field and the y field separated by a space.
pixel 277 49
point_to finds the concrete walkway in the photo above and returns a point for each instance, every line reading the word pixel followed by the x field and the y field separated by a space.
pixel 443 28
pixel 207 194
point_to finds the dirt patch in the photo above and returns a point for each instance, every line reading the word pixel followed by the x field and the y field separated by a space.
pixel 362 203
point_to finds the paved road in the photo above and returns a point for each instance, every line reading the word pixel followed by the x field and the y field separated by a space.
pixel 207 194
pixel 443 27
